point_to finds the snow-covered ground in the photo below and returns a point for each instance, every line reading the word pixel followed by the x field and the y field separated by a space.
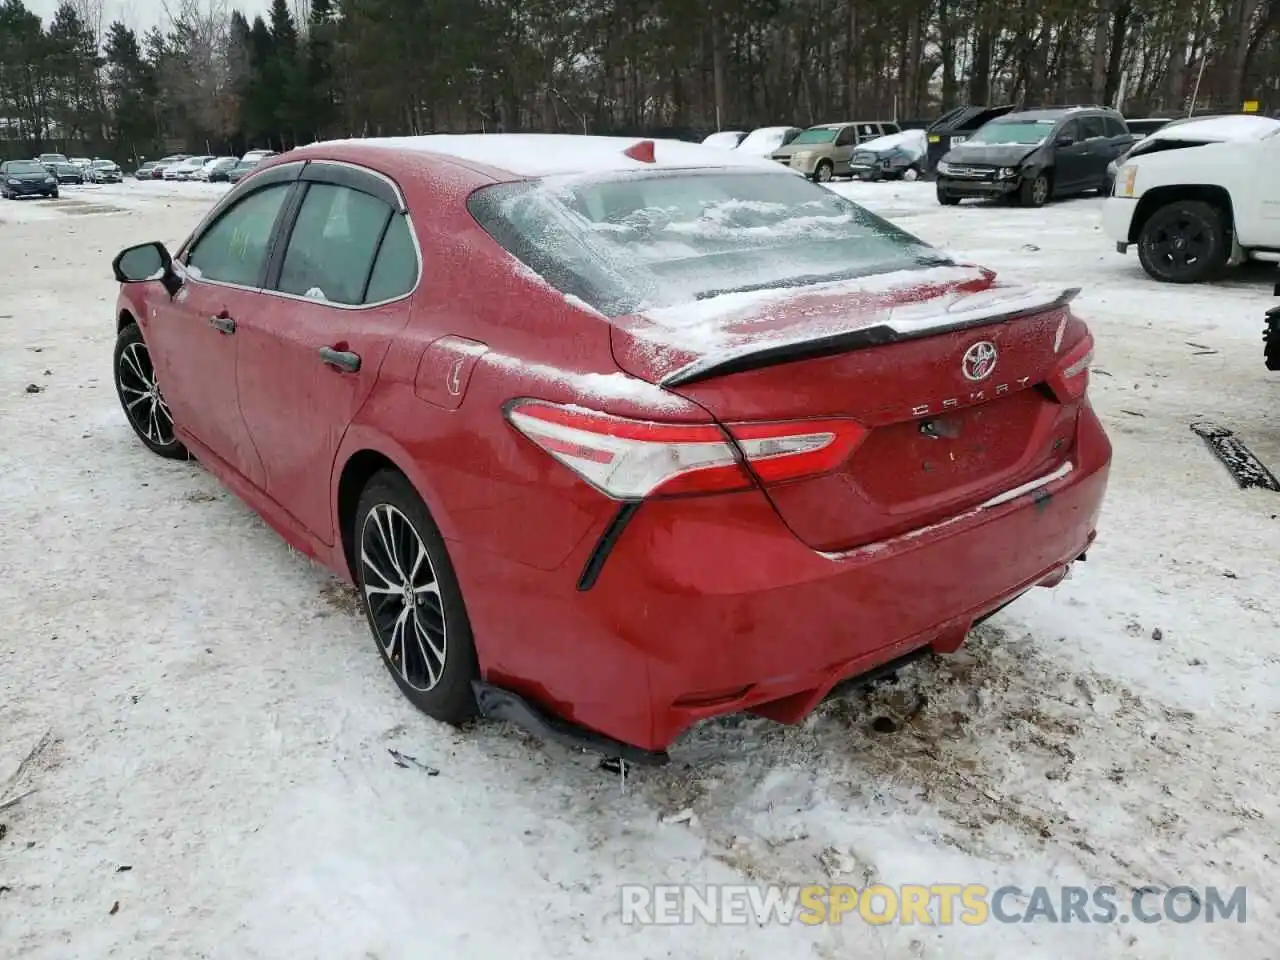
pixel 207 727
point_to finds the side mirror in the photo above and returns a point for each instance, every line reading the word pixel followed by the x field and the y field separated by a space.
pixel 1065 140
pixel 147 261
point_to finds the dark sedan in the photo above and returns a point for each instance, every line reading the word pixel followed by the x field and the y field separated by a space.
pixel 241 170
pixel 26 178
pixel 67 173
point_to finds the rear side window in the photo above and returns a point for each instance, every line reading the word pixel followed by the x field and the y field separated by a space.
pixel 333 244
pixel 1091 127
pixel 396 270
pixel 235 248
pixel 628 243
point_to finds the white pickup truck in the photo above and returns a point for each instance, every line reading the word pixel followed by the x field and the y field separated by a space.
pixel 1200 195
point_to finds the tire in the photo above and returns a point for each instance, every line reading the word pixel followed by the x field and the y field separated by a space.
pixel 823 172
pixel 945 198
pixel 393 537
pixel 911 174
pixel 1184 242
pixel 53 195
pixel 1035 191
pixel 140 398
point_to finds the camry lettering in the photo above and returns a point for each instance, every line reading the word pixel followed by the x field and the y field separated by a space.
pixel 977 396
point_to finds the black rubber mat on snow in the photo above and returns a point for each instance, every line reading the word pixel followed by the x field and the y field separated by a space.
pixel 1247 469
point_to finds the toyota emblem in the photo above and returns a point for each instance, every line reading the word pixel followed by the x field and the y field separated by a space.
pixel 979 360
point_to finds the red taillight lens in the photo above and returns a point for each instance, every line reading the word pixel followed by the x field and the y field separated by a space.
pixel 1070 379
pixel 632 459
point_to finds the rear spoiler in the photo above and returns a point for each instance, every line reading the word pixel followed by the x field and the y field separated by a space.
pixel 890 331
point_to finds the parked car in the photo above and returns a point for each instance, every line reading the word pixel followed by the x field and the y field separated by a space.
pixel 956 126
pixel 1034 156
pixel 764 141
pixel 242 169
pixel 1198 197
pixel 1141 128
pixel 104 171
pixel 725 139
pixel 1271 336
pixel 145 170
pixel 824 151
pixel 81 162
pixel 257 156
pixel 164 163
pixel 67 173
pixel 185 169
pixel 216 169
pixel 26 178
pixel 609 444
pixel 898 156
pixel 49 159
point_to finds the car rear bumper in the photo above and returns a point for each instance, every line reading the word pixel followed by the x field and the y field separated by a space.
pixel 1117 216
pixel 710 606
pixel 964 188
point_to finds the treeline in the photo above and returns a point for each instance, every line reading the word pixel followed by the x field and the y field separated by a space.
pixel 212 79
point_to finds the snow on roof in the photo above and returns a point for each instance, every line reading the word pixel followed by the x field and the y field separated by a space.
pixel 544 154
pixel 915 139
pixel 1242 126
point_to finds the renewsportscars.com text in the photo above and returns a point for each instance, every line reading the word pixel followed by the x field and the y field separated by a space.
pixel 927 904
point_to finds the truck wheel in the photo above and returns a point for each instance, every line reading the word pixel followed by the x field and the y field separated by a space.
pixel 1184 242
pixel 1035 191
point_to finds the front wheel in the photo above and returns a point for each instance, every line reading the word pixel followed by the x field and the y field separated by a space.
pixel 911 174
pixel 1184 242
pixel 1035 191
pixel 140 397
pixel 946 199
pixel 823 171
pixel 412 600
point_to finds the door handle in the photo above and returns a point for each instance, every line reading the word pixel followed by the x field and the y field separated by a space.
pixel 344 360
pixel 223 323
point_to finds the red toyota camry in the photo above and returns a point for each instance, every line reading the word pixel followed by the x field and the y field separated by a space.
pixel 613 435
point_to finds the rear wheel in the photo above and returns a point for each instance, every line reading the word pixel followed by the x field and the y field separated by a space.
pixel 823 171
pixel 1184 242
pixel 411 598
pixel 139 394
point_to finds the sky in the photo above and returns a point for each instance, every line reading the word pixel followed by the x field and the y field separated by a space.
pixel 142 15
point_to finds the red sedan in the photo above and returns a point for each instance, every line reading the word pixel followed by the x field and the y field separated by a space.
pixel 615 436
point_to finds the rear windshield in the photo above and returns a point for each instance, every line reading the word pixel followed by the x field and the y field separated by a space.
pixel 1014 131
pixel 624 244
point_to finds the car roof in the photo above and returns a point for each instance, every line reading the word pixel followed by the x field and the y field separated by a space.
pixel 1054 113
pixel 527 155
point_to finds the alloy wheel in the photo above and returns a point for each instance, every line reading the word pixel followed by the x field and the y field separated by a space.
pixel 1040 190
pixel 1181 243
pixel 402 595
pixel 142 400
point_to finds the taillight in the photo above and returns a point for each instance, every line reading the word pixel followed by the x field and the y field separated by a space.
pixel 1070 379
pixel 633 459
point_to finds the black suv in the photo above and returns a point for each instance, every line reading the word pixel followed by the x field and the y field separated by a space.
pixel 1034 156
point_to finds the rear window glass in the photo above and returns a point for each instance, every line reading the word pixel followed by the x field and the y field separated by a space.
pixel 624 244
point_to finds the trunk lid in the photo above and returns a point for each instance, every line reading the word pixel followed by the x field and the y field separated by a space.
pixel 946 368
